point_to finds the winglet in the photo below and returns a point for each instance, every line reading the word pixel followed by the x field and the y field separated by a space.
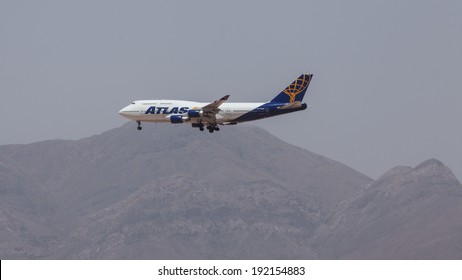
pixel 225 97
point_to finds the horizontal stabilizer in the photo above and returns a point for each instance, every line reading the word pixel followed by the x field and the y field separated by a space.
pixel 293 105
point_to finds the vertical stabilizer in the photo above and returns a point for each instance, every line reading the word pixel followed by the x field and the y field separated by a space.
pixel 295 91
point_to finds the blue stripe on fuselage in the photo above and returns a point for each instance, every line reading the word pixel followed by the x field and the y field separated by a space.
pixel 267 110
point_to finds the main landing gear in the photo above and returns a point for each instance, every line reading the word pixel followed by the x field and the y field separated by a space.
pixel 210 128
pixel 139 125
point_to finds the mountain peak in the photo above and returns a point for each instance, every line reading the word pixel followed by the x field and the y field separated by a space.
pixel 408 213
pixel 432 163
pixel 431 169
pixel 435 169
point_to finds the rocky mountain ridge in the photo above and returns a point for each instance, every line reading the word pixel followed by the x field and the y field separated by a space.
pixel 408 213
pixel 170 192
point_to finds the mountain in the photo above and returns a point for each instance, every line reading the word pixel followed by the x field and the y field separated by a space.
pixel 167 192
pixel 171 192
pixel 408 213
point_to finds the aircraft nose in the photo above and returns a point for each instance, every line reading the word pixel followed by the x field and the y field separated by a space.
pixel 124 111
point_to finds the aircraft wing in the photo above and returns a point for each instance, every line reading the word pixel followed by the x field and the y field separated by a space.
pixel 213 107
pixel 210 110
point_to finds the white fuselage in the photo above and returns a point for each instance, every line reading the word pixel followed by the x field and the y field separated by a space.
pixel 161 110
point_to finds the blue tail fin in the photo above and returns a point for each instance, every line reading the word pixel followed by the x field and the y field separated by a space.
pixel 294 92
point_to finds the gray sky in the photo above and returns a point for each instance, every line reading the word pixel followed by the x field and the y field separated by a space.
pixel 386 91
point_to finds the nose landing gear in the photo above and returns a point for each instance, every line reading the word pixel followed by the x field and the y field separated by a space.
pixel 139 125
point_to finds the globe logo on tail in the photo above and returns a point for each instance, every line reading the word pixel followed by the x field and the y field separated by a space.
pixel 296 87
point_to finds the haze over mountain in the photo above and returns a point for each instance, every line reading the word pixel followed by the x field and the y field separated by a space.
pixel 408 213
pixel 172 192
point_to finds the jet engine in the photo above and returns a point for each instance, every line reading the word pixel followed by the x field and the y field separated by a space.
pixel 195 113
pixel 176 119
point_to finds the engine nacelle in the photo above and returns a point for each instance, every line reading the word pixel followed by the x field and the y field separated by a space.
pixel 195 113
pixel 176 119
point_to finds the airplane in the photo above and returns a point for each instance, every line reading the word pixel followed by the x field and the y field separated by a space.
pixel 219 112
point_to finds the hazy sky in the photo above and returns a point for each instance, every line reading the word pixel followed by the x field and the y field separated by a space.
pixel 387 88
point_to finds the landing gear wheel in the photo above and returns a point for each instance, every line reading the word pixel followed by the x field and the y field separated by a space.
pixel 201 128
pixel 217 128
pixel 139 125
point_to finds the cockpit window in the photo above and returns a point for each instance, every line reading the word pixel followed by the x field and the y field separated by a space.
pixel 133 102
